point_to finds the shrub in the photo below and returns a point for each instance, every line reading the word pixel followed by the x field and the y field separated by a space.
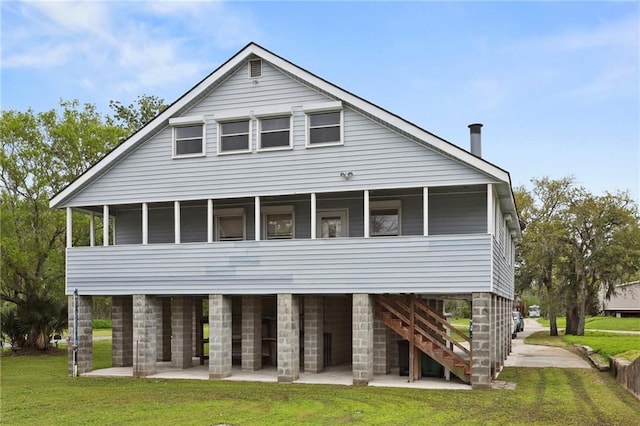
pixel 101 323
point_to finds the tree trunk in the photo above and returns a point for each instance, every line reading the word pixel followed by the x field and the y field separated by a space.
pixel 553 325
pixel 582 312
pixel 572 320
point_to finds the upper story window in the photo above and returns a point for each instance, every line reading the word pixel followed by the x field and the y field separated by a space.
pixel 324 124
pixel 385 218
pixel 230 224
pixel 234 136
pixel 275 133
pixel 188 136
pixel 279 222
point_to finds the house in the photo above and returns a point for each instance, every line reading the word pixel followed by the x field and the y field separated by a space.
pixel 624 302
pixel 307 227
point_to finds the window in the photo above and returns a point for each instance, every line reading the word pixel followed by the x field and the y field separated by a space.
pixel 332 224
pixel 255 68
pixel 230 224
pixel 188 136
pixel 325 128
pixel 384 218
pixel 234 136
pixel 275 133
pixel 279 223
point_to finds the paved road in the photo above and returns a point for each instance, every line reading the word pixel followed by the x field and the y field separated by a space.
pixel 523 355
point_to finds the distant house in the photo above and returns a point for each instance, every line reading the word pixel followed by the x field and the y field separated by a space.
pixel 307 226
pixel 625 302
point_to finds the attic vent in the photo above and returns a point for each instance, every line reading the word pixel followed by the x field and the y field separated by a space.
pixel 255 68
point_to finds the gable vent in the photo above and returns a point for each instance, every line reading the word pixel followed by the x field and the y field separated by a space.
pixel 255 68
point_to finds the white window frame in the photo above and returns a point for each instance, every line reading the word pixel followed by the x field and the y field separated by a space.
pixel 259 131
pixel 230 212
pixel 386 204
pixel 343 213
pixel 228 120
pixel 195 121
pixel 323 108
pixel 284 209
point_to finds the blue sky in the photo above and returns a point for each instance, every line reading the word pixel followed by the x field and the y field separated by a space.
pixel 557 85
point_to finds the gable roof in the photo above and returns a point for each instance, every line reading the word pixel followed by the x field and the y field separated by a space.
pixel 251 50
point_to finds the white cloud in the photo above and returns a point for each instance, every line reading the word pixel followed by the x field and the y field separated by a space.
pixel 43 56
pixel 123 47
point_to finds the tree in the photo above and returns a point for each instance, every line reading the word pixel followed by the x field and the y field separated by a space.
pixel 604 236
pixel 575 244
pixel 137 114
pixel 41 154
pixel 543 248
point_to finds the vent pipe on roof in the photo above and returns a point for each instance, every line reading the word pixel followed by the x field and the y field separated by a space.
pixel 476 140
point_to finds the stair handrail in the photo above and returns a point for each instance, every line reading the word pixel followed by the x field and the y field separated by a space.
pixel 444 323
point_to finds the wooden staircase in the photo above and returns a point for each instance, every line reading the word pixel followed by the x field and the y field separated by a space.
pixel 410 317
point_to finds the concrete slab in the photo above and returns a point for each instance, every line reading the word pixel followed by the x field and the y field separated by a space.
pixel 524 355
pixel 340 375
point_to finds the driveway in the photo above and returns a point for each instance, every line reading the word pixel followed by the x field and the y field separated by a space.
pixel 523 355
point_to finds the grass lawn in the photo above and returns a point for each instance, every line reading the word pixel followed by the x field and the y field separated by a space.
pixel 605 344
pixel 36 389
pixel 601 323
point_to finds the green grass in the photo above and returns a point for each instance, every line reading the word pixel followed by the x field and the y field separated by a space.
pixel 600 323
pixel 36 389
pixel 543 338
pixel 605 344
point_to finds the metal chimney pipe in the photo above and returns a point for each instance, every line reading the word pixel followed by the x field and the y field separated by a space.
pixel 476 139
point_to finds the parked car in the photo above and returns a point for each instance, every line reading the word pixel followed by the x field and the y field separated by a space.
pixel 534 311
pixel 517 318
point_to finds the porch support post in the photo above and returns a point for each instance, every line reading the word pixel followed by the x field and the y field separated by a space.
pixel 493 327
pixel 425 211
pixel 145 223
pixel 313 216
pixel 209 220
pixel 313 333
pixel 490 210
pixel 122 332
pixel 163 339
pixel 85 334
pixel 257 218
pixel 219 336
pixel 176 221
pixel 480 344
pixel 69 228
pixel 105 225
pixel 508 320
pixel 367 215
pixel 288 338
pixel 251 333
pixel 92 229
pixel 380 364
pixel 145 309
pixel 362 339
pixel 181 328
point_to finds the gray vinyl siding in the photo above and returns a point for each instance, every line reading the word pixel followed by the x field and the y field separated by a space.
pixel 503 270
pixel 377 156
pixel 436 264
pixel 457 213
